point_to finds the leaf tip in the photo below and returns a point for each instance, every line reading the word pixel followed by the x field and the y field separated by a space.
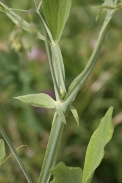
pixel 110 110
pixel 17 98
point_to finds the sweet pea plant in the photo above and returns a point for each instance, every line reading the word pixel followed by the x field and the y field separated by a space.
pixel 56 13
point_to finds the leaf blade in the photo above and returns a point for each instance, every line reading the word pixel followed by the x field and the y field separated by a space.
pixel 56 13
pixel 38 100
pixel 95 149
pixel 64 174
pixel 75 114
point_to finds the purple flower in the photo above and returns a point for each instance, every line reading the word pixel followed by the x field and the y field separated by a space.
pixel 37 54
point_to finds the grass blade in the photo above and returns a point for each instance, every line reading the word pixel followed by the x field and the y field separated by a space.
pixel 6 138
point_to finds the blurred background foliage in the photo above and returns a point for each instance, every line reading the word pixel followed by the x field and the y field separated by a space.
pixel 24 69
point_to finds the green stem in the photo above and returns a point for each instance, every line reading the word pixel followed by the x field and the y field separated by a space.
pixel 57 125
pixel 81 78
pixel 56 88
pixel 39 6
pixel 45 28
pixel 52 149
pixel 15 154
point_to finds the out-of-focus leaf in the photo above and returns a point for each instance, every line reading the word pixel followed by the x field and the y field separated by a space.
pixel 38 100
pixel 19 21
pixel 56 13
pixel 109 5
pixel 109 2
pixel 2 151
pixel 95 150
pixel 64 174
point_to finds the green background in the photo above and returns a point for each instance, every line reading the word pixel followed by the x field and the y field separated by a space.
pixel 27 71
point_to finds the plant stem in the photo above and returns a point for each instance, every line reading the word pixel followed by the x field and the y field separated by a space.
pixel 45 28
pixel 15 154
pixel 56 88
pixel 57 125
pixel 39 6
pixel 52 149
pixel 81 78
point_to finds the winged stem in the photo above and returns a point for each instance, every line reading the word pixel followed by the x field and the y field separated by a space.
pixel 57 125
pixel 81 78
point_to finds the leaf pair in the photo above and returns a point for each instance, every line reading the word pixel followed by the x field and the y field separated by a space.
pixel 72 109
pixel 45 101
pixel 94 155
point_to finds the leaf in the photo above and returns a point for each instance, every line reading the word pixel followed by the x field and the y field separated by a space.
pixel 75 114
pixel 2 151
pixel 64 174
pixel 38 100
pixel 95 149
pixel 58 66
pixel 76 83
pixel 109 2
pixel 56 13
pixel 60 113
pixel 19 21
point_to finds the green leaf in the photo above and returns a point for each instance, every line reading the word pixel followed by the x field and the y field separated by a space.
pixel 109 2
pixel 19 21
pixel 2 151
pixel 58 66
pixel 38 100
pixel 75 83
pixel 56 13
pixel 95 149
pixel 60 113
pixel 64 174
pixel 75 114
